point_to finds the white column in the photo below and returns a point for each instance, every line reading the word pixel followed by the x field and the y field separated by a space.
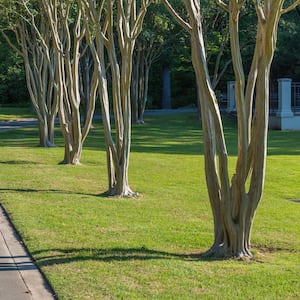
pixel 230 97
pixel 285 98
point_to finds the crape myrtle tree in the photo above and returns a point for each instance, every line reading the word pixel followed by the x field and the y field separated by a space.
pixel 164 39
pixel 67 31
pixel 33 37
pixel 234 202
pixel 148 50
pixel 112 28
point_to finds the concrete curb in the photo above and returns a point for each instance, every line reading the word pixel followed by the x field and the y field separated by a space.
pixel 20 279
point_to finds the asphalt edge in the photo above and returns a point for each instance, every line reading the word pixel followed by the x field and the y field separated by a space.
pixel 38 284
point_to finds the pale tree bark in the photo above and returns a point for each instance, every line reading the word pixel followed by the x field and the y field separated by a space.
pixel 65 21
pixel 121 21
pixel 34 40
pixel 234 202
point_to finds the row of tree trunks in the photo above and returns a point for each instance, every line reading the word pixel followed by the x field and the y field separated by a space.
pixel 53 67
pixel 146 53
pixel 50 42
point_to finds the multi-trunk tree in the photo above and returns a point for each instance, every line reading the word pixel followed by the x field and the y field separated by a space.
pixel 51 39
pixel 234 200
pixel 35 47
pixel 67 31
pixel 112 28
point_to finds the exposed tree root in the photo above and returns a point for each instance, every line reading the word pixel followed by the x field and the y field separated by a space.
pixel 67 162
pixel 47 144
pixel 221 252
pixel 126 193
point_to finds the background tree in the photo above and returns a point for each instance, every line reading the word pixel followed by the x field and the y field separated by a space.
pixel 234 202
pixel 86 77
pixel 175 60
pixel 35 47
pixel 148 49
pixel 287 51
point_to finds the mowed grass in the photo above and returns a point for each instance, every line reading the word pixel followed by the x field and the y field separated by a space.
pixel 92 247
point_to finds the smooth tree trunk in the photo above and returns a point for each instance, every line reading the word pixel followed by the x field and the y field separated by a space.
pixel 37 52
pixel 234 201
pixel 86 74
pixel 139 86
pixel 67 33
pixel 120 22
pixel 145 54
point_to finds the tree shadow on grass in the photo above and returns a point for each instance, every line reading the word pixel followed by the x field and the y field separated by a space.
pixel 284 143
pixel 50 191
pixel 169 134
pixel 102 195
pixel 18 162
pixel 58 256
pixel 65 256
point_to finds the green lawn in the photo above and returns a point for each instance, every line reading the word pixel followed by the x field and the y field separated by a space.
pixel 9 113
pixel 92 247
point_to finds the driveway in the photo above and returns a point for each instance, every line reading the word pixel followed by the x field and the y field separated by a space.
pixel 15 124
pixel 6 125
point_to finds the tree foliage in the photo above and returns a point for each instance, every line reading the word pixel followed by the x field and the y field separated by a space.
pixel 176 51
pixel 150 45
pixel 287 53
pixel 12 75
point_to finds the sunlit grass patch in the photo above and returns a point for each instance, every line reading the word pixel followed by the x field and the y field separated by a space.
pixel 94 247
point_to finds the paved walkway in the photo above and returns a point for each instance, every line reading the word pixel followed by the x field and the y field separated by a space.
pixel 15 124
pixel 6 125
pixel 20 279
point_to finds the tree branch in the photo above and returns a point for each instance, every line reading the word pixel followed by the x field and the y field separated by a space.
pixel 140 18
pixel 259 11
pixel 10 42
pixel 223 5
pixel 291 7
pixel 178 18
